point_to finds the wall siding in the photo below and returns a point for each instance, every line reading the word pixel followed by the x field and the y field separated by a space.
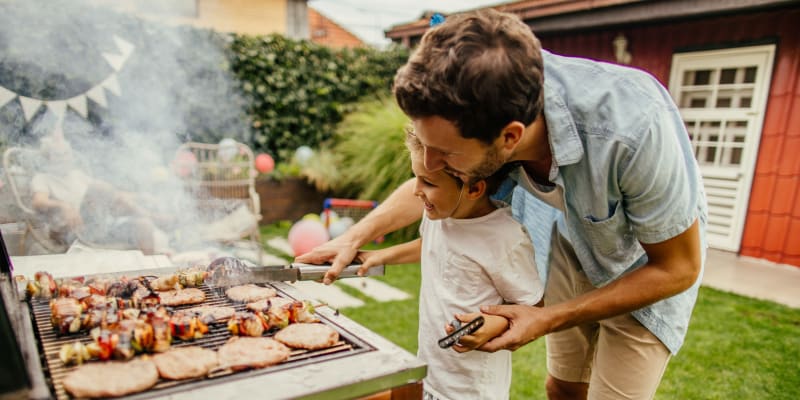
pixel 772 227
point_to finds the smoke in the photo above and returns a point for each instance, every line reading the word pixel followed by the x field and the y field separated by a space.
pixel 146 89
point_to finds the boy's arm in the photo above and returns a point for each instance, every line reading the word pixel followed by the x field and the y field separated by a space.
pixel 403 253
pixel 400 209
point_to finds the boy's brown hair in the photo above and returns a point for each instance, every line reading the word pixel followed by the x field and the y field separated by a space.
pixel 479 70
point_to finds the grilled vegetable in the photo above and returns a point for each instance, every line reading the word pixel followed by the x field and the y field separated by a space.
pixel 192 277
pixel 187 326
pixel 245 323
pixel 42 286
pixel 74 353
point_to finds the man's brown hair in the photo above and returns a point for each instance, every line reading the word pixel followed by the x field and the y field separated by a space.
pixel 479 70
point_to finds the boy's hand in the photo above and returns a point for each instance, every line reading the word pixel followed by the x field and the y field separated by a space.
pixel 369 259
pixel 493 326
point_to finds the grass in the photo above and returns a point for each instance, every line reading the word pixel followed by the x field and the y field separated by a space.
pixel 736 348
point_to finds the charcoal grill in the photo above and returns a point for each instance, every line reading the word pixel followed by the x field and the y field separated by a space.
pixel 362 363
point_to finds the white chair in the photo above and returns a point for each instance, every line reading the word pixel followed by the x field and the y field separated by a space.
pixel 222 182
pixel 20 164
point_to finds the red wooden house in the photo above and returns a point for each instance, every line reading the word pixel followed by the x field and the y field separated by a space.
pixel 733 68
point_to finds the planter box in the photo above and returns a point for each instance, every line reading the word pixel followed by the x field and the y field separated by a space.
pixel 288 199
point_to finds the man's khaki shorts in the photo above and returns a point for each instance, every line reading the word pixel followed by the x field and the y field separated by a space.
pixel 618 357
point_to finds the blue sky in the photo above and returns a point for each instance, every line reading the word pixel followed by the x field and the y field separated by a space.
pixel 369 18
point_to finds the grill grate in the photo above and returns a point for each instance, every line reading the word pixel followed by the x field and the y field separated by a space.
pixel 50 343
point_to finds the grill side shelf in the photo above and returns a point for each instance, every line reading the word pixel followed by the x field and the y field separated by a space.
pixel 50 343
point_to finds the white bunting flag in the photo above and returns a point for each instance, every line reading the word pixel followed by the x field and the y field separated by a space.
pixel 78 103
pixel 29 106
pixel 112 84
pixel 114 60
pixel 98 94
pixel 57 107
pixel 6 96
pixel 125 47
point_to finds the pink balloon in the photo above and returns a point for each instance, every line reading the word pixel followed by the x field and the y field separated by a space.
pixel 306 235
pixel 184 163
pixel 264 163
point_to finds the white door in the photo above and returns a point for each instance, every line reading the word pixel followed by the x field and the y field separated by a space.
pixel 722 96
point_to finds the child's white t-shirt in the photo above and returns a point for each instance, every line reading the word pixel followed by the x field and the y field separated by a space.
pixel 467 263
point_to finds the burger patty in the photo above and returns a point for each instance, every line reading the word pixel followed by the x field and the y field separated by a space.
pixel 111 379
pixel 181 297
pixel 250 293
pixel 310 336
pixel 212 313
pixel 252 352
pixel 266 304
pixel 185 362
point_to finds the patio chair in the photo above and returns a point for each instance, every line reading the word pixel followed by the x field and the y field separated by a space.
pixel 221 180
pixel 20 166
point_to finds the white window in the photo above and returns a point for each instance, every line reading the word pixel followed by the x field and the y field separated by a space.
pixel 722 95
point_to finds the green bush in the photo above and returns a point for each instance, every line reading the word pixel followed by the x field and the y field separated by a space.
pixel 298 91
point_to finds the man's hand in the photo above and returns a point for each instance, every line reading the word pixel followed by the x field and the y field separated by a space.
pixel 338 252
pixel 526 324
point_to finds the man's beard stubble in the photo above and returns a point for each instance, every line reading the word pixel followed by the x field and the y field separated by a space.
pixel 491 163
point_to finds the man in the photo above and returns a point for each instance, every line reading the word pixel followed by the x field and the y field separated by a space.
pixel 607 186
pixel 80 206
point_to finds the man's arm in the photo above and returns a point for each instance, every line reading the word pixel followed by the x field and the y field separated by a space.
pixel 673 266
pixel 400 209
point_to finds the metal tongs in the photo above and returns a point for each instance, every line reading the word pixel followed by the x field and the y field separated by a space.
pixel 230 271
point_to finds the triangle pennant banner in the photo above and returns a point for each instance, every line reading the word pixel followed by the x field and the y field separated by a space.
pixel 114 60
pixel 112 84
pixel 78 103
pixel 58 108
pixel 125 47
pixel 6 96
pixel 29 106
pixel 98 95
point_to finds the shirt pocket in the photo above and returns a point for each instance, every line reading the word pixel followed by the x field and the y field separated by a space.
pixel 612 239
pixel 462 275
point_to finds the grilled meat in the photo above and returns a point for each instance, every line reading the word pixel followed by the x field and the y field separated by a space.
pixel 111 379
pixel 249 352
pixel 185 362
pixel 311 336
pixel 249 293
pixel 210 314
pixel 181 297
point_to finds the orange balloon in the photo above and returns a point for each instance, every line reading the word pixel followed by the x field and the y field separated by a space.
pixel 264 163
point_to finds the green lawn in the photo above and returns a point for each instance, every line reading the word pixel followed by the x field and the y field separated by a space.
pixel 737 348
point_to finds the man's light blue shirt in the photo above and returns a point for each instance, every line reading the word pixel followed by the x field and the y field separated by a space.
pixel 623 158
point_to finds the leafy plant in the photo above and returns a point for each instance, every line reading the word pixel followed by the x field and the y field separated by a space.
pixel 367 157
pixel 298 91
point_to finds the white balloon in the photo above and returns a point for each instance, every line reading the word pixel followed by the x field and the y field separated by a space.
pixel 323 217
pixel 303 154
pixel 227 149
pixel 347 221
pixel 337 228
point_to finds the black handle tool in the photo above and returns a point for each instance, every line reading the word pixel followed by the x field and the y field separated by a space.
pixel 461 331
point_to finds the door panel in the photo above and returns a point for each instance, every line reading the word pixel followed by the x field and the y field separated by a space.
pixel 722 97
